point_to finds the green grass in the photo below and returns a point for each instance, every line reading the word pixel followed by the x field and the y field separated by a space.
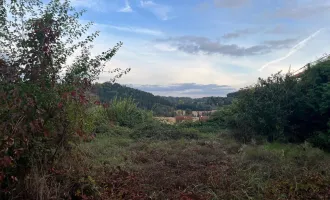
pixel 210 166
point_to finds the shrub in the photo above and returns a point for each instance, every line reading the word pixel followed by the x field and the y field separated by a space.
pixel 98 119
pixel 283 108
pixel 163 110
pixel 159 131
pixel 321 140
pixel 126 113
pixel 203 127
pixel 42 110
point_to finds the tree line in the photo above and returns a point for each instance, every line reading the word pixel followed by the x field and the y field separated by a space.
pixel 284 108
pixel 161 106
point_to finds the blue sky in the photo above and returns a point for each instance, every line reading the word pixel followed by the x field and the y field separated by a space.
pixel 207 47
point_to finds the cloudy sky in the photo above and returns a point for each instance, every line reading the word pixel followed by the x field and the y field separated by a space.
pixel 207 47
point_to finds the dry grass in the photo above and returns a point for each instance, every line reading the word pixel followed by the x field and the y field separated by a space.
pixel 167 120
pixel 215 169
pixel 117 167
pixel 171 120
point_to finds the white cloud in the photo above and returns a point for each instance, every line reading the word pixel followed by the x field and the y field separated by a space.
pixel 158 64
pixel 161 11
pixel 132 29
pixel 127 8
pixel 164 47
pixel 138 30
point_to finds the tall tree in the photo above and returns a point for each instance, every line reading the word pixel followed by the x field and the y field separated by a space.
pixel 43 99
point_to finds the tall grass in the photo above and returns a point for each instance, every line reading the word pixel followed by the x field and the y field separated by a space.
pixel 126 113
pixel 215 168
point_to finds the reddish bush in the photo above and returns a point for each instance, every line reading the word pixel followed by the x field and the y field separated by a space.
pixel 42 112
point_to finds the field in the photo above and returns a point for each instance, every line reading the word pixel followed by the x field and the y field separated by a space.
pixel 213 166
pixel 171 120
pixel 168 120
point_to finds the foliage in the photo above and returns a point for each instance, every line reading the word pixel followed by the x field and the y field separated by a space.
pixel 188 111
pixel 217 168
pixel 49 120
pixel 160 131
pixel 161 106
pixel 163 110
pixel 208 127
pixel 126 113
pixel 234 94
pixel 108 91
pixel 283 108
pixel 43 111
pixel 184 103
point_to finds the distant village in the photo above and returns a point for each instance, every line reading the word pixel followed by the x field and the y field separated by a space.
pixel 193 113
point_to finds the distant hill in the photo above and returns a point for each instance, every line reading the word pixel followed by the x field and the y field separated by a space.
pixel 162 106
pixel 108 91
pixel 198 104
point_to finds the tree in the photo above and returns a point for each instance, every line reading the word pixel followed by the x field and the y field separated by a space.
pixel 284 108
pixel 43 101
pixel 108 91
pixel 188 111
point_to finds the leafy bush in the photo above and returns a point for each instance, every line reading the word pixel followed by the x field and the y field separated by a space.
pixel 283 108
pixel 321 140
pixel 163 110
pixel 126 113
pixel 202 126
pixel 159 131
pixel 42 110
pixel 98 119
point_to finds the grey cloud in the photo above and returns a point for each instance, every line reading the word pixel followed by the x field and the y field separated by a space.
pixel 230 3
pixel 239 33
pixel 248 31
pixel 187 89
pixel 279 44
pixel 194 45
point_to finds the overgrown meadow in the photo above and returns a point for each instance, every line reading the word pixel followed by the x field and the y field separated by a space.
pixel 59 141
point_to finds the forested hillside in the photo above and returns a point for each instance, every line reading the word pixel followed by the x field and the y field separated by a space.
pixel 108 91
pixel 163 106
pixel 199 104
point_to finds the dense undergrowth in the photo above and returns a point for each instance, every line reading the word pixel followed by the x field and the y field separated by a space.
pixel 60 142
pixel 283 108
pixel 210 167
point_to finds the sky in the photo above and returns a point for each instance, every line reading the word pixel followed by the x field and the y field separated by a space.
pixel 200 48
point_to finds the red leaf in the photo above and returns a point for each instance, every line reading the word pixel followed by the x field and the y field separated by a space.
pixel 46 133
pixel 6 161
pixel 73 93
